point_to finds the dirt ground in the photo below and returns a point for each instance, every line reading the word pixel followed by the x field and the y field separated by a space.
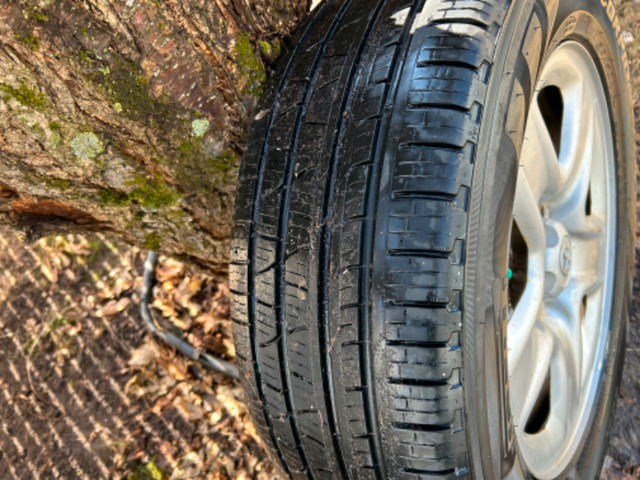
pixel 86 393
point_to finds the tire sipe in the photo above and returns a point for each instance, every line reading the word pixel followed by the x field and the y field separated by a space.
pixel 433 250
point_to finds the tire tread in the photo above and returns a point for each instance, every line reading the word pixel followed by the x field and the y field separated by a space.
pixel 303 256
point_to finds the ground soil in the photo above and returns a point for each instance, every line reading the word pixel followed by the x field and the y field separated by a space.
pixel 86 393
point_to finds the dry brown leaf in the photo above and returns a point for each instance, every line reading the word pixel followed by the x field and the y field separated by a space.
pixel 145 354
pixel 167 448
pixel 31 324
pixel 226 398
pixel 192 411
pixel 207 321
pixel 70 274
pixel 124 281
pixel 168 268
pixel 114 307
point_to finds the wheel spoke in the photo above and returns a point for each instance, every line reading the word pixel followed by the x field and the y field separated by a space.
pixel 563 317
pixel 588 254
pixel 576 157
pixel 565 391
pixel 577 124
pixel 532 373
pixel 539 158
pixel 527 216
pixel 592 332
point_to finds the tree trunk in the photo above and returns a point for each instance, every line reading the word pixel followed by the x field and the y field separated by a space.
pixel 129 116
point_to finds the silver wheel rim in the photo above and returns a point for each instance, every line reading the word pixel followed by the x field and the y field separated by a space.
pixel 565 212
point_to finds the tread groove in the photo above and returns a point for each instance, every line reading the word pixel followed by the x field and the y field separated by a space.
pixel 285 205
pixel 323 271
pixel 420 427
pixel 419 471
pixel 420 253
pixel 424 195
pixel 460 21
pixel 418 382
pixel 252 242
pixel 366 250
pixel 417 343
pixel 439 105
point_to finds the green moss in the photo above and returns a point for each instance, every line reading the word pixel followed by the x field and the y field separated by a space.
pixel 201 173
pixel 110 196
pixel 149 192
pixel 148 471
pixel 129 93
pixel 250 65
pixel 265 48
pixel 25 95
pixel 54 126
pixel 85 57
pixel 52 183
pixel 55 139
pixel 151 241
pixel 270 51
pixel 29 39
pixel 154 192
pixel 223 164
pixel 35 13
pixel 59 183
pixel 86 146
pixel 38 129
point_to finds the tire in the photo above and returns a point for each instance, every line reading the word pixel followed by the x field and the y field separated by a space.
pixel 375 259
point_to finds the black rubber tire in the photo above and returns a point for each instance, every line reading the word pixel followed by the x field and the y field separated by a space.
pixel 373 221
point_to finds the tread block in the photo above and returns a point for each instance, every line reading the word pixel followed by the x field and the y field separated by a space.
pixel 419 363
pixel 432 170
pixel 457 44
pixel 420 324
pixel 425 225
pixel 422 280
pixel 439 127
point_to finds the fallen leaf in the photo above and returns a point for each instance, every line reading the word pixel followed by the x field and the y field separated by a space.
pixel 144 355
pixel 168 268
pixel 114 307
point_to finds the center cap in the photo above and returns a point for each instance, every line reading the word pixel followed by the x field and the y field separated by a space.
pixel 557 258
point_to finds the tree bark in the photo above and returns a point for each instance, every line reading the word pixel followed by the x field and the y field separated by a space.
pixel 129 116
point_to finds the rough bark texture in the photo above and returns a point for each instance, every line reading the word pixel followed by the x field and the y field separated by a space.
pixel 129 116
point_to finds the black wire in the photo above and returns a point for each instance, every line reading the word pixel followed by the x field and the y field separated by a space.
pixel 159 328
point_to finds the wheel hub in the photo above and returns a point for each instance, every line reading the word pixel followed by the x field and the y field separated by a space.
pixel 558 258
pixel 564 211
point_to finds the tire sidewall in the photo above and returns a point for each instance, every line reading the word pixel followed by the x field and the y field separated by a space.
pixel 532 30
